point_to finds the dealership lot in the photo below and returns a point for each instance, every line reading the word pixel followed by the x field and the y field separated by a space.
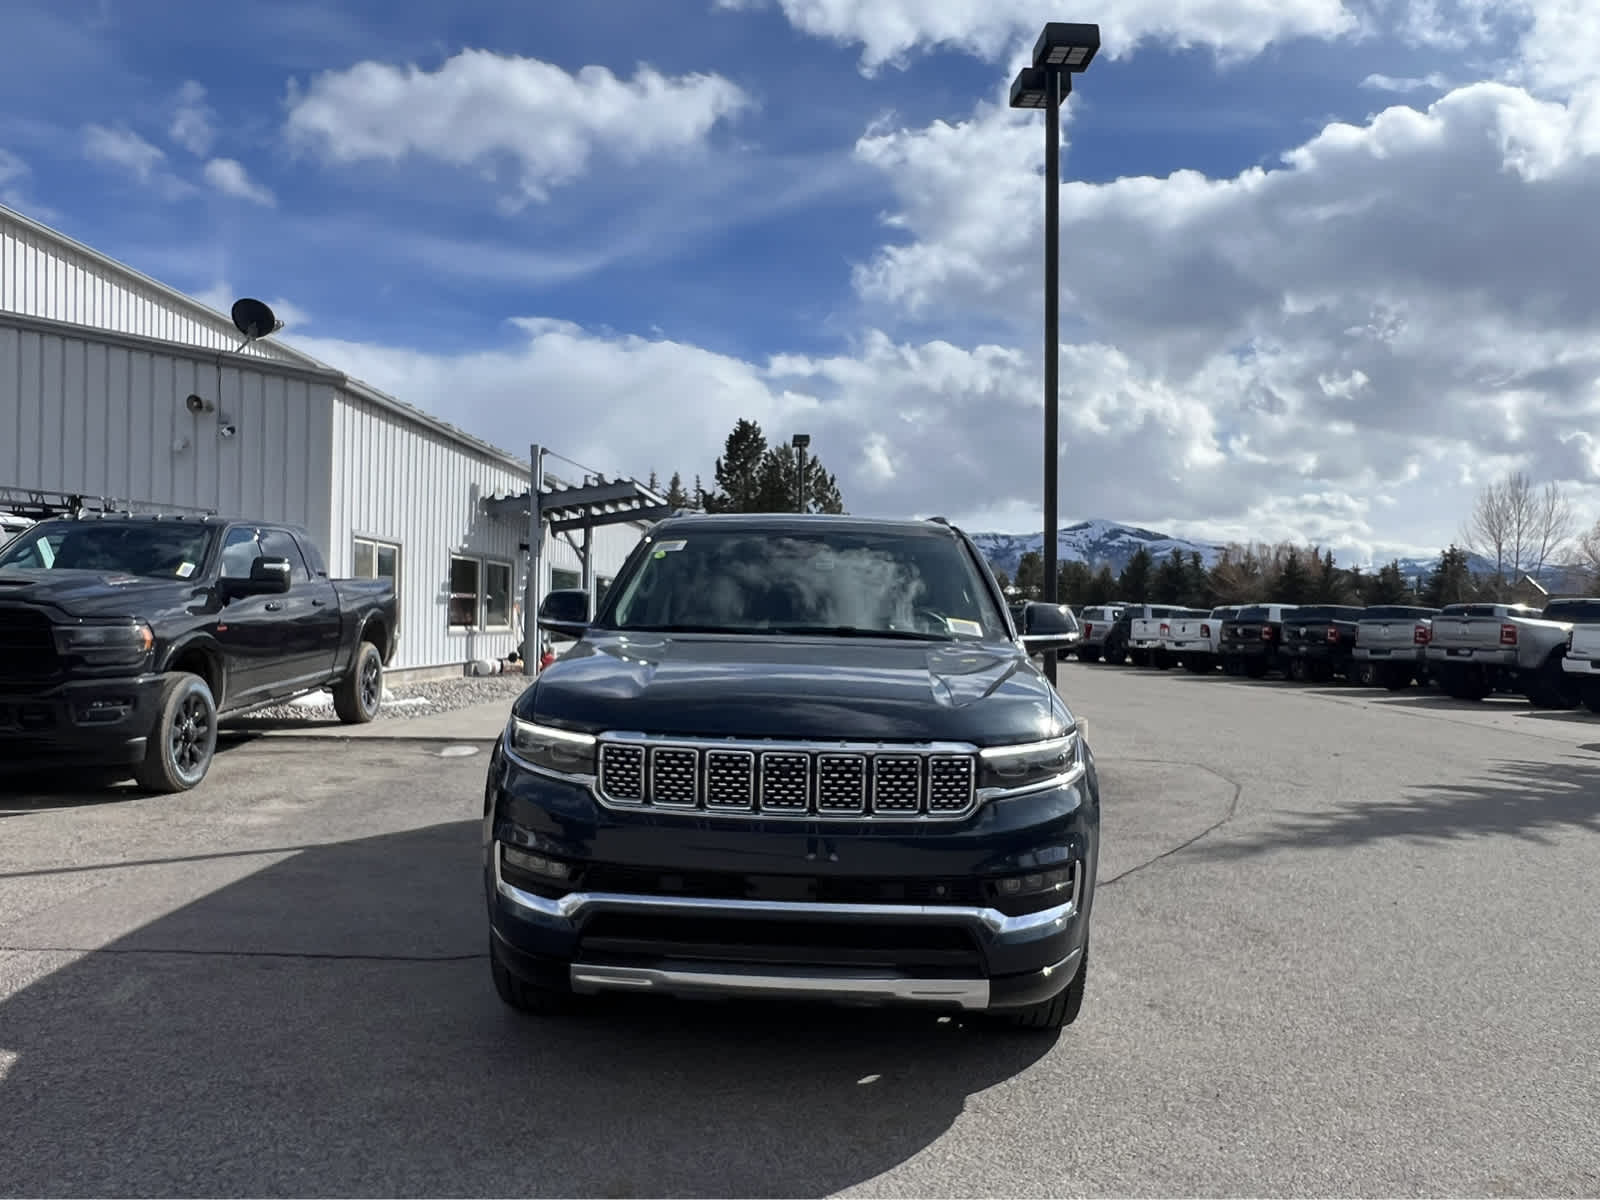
pixel 1344 944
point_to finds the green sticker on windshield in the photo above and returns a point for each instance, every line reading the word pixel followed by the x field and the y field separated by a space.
pixel 664 547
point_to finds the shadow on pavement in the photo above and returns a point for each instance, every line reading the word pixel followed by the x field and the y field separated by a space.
pixel 41 789
pixel 327 1026
pixel 1509 799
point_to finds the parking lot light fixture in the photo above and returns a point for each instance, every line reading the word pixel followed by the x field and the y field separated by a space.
pixel 1068 46
pixel 1063 50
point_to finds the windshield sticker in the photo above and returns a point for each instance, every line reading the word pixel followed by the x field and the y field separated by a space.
pixel 663 548
pixel 185 570
pixel 963 626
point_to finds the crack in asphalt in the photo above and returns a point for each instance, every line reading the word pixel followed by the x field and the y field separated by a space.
pixel 1228 815
pixel 294 954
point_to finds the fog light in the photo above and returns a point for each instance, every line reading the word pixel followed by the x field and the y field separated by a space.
pixel 535 864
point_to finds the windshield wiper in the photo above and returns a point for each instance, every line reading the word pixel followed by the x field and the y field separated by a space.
pixel 677 628
pixel 911 635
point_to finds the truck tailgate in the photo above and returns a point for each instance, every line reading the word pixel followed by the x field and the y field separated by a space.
pixel 1393 636
pixel 1466 633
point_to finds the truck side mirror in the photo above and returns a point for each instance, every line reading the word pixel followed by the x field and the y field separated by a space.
pixel 565 611
pixel 1048 627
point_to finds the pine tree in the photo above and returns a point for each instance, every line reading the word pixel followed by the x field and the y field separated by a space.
pixel 1135 581
pixel 1072 582
pixel 1197 591
pixel 654 485
pixel 1030 575
pixel 739 470
pixel 700 497
pixel 1294 584
pixel 1166 587
pixel 1103 587
pixel 1451 580
pixel 1389 586
pixel 676 496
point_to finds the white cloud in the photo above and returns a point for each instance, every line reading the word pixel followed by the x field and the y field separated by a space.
pixel 889 30
pixel 192 120
pixel 1343 347
pixel 1389 83
pixel 479 109
pixel 122 148
pixel 229 177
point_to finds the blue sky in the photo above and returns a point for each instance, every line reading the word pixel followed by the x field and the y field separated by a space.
pixel 755 235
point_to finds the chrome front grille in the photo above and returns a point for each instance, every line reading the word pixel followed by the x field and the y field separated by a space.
pixel 779 779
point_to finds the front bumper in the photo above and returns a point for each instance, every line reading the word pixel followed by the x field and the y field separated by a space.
pixel 742 934
pixel 90 722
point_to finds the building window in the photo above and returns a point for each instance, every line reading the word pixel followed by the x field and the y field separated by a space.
pixel 373 559
pixel 464 593
pixel 563 580
pixel 496 595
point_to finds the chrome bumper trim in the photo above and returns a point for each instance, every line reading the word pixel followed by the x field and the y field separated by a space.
pixel 774 983
pixel 574 906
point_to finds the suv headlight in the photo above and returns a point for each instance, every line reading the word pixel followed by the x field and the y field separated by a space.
pixel 559 750
pixel 106 644
pixel 1034 765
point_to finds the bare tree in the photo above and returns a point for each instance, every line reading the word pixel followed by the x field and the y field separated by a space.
pixel 1553 527
pixel 1520 527
pixel 1586 553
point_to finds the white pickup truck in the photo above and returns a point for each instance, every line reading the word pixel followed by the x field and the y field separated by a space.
pixel 1194 639
pixel 1477 649
pixel 1582 659
pixel 11 525
pixel 1097 621
pixel 1392 644
pixel 1149 635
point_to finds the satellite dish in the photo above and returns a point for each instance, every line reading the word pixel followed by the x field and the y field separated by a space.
pixel 254 319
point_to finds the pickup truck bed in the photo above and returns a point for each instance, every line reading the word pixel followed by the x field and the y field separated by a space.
pixel 1392 644
pixel 1475 650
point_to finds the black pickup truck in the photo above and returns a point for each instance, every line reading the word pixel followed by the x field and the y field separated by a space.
pixel 1319 642
pixel 800 757
pixel 123 639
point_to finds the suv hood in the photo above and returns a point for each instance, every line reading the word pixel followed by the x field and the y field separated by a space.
pixel 93 593
pixel 820 688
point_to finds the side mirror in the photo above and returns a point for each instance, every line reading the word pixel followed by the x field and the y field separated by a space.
pixel 565 612
pixel 270 576
pixel 1049 627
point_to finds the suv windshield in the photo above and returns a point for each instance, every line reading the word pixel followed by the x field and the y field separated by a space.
pixel 157 551
pixel 832 581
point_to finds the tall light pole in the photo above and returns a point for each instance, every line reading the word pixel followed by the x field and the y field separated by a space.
pixel 800 442
pixel 1062 51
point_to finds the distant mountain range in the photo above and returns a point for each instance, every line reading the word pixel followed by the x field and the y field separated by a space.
pixel 1101 541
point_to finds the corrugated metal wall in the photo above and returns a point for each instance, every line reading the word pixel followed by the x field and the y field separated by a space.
pixel 45 276
pixel 81 414
pixel 399 481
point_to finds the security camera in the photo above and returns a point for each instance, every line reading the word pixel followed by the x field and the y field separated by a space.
pixel 227 431
pixel 198 404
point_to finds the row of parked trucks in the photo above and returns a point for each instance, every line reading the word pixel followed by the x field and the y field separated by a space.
pixel 1469 651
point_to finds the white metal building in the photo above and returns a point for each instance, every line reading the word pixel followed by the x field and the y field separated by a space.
pixel 99 368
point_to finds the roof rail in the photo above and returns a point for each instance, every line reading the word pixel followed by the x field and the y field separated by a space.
pixel 939 520
pixel 42 505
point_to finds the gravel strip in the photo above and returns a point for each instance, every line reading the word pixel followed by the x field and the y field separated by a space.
pixel 441 696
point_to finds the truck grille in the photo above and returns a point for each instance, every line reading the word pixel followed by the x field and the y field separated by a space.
pixel 27 644
pixel 779 780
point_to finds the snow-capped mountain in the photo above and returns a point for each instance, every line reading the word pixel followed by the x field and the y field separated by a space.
pixel 1092 542
pixel 1101 541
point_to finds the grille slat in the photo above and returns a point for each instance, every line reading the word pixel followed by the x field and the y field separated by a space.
pixel 802 780
pixel 27 644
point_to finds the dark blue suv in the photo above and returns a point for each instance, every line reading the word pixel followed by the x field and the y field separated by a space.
pixel 796 756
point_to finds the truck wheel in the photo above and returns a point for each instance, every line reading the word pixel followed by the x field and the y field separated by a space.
pixel 1297 670
pixel 1086 655
pixel 1591 697
pixel 183 739
pixel 1549 687
pixel 1060 1010
pixel 525 997
pixel 358 696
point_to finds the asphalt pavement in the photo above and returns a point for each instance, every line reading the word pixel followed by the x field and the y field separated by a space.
pixel 1346 945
